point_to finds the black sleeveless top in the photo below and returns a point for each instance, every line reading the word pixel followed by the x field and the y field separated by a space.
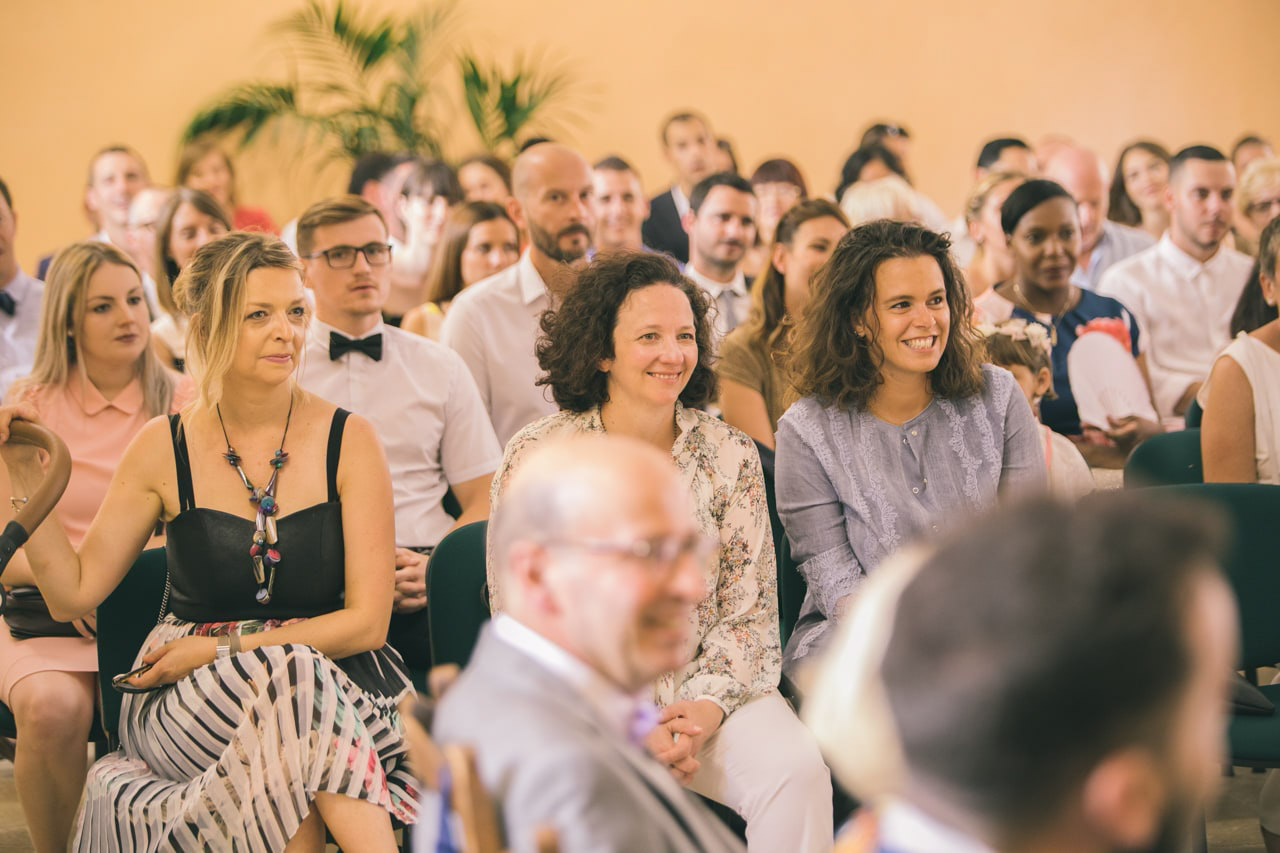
pixel 208 551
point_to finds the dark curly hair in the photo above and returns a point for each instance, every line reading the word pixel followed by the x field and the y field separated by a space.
pixel 831 362
pixel 578 335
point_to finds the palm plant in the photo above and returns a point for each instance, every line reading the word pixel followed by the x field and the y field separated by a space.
pixel 357 83
pixel 502 105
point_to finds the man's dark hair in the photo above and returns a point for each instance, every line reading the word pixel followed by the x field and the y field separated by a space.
pixel 876 133
pixel 992 150
pixel 1034 643
pixel 578 335
pixel 4 191
pixel 720 179
pixel 1195 152
pixel 859 159
pixel 430 178
pixel 1247 139
pixel 613 163
pixel 687 115
pixel 532 141
pixel 726 148
pixel 373 167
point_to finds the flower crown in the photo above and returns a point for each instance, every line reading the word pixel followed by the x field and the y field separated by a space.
pixel 1018 329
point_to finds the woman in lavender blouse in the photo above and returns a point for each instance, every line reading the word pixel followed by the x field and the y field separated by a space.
pixel 899 428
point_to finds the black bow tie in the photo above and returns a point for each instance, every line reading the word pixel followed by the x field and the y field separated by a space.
pixel 7 305
pixel 340 345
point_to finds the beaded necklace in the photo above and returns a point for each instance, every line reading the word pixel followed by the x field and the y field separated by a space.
pixel 263 552
pixel 1056 317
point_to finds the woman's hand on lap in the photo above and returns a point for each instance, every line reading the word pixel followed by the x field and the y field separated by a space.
pixel 175 660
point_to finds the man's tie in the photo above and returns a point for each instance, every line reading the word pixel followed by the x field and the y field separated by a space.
pixel 340 345
pixel 7 305
pixel 728 311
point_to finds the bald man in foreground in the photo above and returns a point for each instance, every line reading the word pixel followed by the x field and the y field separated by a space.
pixel 599 556
pixel 494 323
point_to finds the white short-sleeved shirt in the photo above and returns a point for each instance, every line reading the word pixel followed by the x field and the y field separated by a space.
pixel 19 333
pixel 424 406
pixel 493 325
pixel 1183 308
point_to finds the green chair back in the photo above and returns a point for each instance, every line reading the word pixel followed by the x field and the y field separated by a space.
pixel 125 619
pixel 457 594
pixel 1252 561
pixel 1195 415
pixel 1168 459
pixel 791 590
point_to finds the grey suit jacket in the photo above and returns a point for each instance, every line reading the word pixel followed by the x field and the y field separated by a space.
pixel 548 761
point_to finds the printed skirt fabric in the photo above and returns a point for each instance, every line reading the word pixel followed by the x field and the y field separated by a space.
pixel 230 757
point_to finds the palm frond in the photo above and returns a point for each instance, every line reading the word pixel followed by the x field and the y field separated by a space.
pixel 246 108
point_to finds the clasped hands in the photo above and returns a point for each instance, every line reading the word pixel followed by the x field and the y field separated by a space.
pixel 411 581
pixel 683 727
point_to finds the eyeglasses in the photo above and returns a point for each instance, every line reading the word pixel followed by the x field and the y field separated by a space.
pixel 657 555
pixel 344 257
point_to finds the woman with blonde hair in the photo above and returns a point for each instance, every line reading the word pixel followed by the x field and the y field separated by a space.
pixel 480 240
pixel 262 709
pixel 1257 202
pixel 992 260
pixel 95 382
pixel 188 220
pixel 890 197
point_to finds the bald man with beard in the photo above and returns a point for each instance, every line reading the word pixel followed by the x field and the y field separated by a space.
pixel 493 324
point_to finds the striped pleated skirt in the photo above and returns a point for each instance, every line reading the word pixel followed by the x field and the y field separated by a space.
pixel 231 756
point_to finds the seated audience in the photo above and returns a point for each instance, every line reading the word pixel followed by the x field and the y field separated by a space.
pixel 778 186
pixel 144 211
pixel 991 261
pixel 377 177
pixel 957 713
pixel 688 146
pixel 95 382
pixel 189 220
pixel 204 165
pixel 480 239
pixel 20 299
pixel 1240 433
pixel 430 191
pixel 898 426
pixel 484 177
pixel 1138 188
pixel 1257 202
pixel 493 324
pixel 600 561
pixel 628 353
pixel 754 388
pixel 620 206
pixel 895 137
pixel 291 629
pixel 889 197
pixel 1043 232
pixel 877 161
pixel 1003 154
pixel 418 395
pixel 1082 173
pixel 1248 148
pixel 1183 290
pixel 116 175
pixel 1023 349
pixel 722 225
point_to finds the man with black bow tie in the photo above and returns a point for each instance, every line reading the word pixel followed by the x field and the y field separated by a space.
pixel 418 394
pixel 20 297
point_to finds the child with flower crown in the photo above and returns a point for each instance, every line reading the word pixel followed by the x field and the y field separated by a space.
pixel 1024 348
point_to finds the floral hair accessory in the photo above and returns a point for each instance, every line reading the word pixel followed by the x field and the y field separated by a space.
pixel 1018 329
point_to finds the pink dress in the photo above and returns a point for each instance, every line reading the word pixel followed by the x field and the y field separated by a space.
pixel 96 431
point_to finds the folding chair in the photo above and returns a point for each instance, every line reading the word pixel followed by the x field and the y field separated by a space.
pixel 457 594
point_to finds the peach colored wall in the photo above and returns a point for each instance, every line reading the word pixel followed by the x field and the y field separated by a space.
pixel 801 78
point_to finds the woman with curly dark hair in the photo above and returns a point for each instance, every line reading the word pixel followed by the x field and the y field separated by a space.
pixel 899 424
pixel 629 353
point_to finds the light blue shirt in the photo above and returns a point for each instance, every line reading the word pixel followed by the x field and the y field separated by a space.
pixel 852 489
pixel 1116 243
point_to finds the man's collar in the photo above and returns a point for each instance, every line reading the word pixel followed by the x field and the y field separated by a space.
pixel 737 285
pixel 532 287
pixel 17 286
pixel 680 200
pixel 319 332
pixel 1180 260
pixel 84 392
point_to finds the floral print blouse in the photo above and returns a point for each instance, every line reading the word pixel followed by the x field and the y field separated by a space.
pixel 738 656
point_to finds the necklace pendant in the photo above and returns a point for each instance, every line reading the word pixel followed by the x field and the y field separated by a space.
pixel 263 597
pixel 269 526
pixel 259 569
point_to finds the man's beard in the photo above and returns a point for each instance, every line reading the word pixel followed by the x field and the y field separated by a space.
pixel 550 246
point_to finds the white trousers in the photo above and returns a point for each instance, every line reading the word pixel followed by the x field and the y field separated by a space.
pixel 764 764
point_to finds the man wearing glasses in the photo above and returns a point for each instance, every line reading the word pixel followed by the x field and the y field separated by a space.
pixel 599 556
pixel 418 394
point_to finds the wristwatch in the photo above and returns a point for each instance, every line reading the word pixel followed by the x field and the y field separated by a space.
pixel 228 645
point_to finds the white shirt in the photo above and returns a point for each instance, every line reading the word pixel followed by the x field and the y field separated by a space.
pixel 730 302
pixel 1115 243
pixel 680 200
pixel 903 828
pixel 424 406
pixel 1183 309
pixel 19 333
pixel 613 706
pixel 493 325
